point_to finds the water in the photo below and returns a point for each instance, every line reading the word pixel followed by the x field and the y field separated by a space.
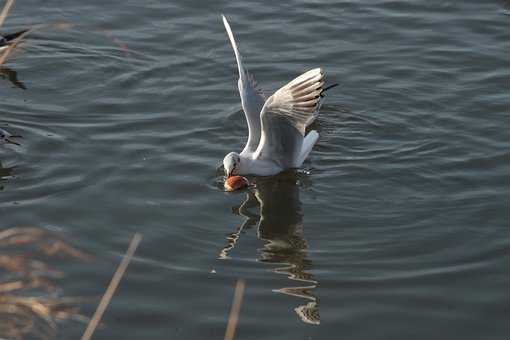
pixel 397 226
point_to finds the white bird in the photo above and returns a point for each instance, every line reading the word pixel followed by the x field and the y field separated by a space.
pixel 276 125
pixel 7 138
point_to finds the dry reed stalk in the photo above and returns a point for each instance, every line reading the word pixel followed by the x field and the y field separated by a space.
pixel 234 311
pixel 5 11
pixel 117 276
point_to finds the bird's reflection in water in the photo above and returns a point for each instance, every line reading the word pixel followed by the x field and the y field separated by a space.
pixel 12 76
pixel 279 224
pixel 4 173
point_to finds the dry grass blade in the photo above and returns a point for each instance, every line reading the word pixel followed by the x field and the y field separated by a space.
pixel 11 286
pixel 33 304
pixel 111 287
pixel 234 311
pixel 5 11
pixel 12 235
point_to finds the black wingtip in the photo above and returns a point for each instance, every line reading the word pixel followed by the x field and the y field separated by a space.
pixel 10 37
pixel 327 88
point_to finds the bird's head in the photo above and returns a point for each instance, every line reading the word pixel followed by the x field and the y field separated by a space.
pixel 231 163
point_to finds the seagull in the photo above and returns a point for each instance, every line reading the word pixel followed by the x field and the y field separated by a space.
pixel 7 138
pixel 277 138
pixel 8 39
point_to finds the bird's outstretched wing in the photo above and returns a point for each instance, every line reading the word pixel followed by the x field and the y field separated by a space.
pixel 9 39
pixel 285 116
pixel 252 99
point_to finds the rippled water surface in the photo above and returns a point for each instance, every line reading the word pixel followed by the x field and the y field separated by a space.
pixel 396 228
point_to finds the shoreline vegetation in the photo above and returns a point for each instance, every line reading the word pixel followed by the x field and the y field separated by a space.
pixel 31 304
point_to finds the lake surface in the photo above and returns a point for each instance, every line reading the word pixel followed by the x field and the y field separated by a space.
pixel 395 228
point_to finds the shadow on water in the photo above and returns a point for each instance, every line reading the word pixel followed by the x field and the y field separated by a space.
pixel 4 174
pixel 12 76
pixel 505 3
pixel 279 223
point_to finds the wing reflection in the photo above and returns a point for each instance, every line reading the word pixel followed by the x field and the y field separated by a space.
pixel 280 224
pixel 12 76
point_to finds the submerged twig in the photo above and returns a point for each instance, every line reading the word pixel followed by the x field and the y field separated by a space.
pixel 234 311
pixel 135 241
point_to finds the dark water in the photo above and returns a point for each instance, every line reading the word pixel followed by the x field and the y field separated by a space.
pixel 396 228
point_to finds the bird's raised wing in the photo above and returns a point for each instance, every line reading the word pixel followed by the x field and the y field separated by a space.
pixel 285 116
pixel 252 99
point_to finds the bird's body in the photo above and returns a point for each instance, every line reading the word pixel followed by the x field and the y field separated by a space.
pixel 250 165
pixel 276 125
